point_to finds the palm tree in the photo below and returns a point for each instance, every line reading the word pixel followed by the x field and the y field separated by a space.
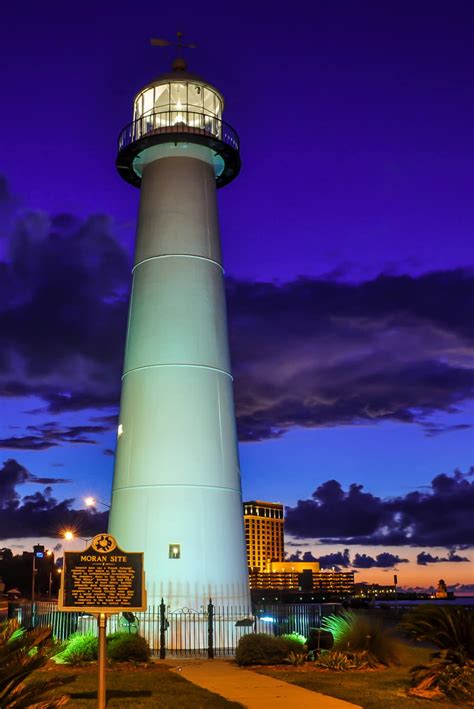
pixel 447 627
pixel 451 670
pixel 22 653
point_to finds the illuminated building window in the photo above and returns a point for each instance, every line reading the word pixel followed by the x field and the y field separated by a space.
pixel 174 551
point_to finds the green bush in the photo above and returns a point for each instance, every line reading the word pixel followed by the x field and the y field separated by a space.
pixel 123 647
pixel 296 637
pixel 79 648
pixel 361 633
pixel 262 649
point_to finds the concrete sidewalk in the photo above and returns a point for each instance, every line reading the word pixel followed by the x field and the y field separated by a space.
pixel 253 690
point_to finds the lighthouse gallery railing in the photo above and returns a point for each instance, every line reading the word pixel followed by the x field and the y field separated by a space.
pixel 181 122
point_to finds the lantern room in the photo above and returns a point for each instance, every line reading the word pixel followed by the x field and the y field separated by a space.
pixel 171 103
pixel 178 107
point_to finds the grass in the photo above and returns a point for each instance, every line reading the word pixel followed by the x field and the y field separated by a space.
pixel 385 688
pixel 130 686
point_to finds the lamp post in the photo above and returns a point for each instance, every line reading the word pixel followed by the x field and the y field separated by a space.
pixel 37 553
pixel 51 581
pixel 49 553
pixel 33 579
pixel 92 502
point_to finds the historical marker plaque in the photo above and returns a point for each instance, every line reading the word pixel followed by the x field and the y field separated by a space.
pixel 103 578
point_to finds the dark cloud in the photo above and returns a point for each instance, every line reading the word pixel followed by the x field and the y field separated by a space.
pixel 50 434
pixel 13 474
pixel 63 308
pixel 26 443
pixel 335 511
pixel 40 514
pixel 439 517
pixel 385 560
pixel 322 353
pixel 423 558
pixel 339 559
pixel 47 481
pixel 432 430
pixel 342 560
pixel 310 353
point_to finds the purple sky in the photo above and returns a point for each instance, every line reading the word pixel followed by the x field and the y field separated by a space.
pixel 347 242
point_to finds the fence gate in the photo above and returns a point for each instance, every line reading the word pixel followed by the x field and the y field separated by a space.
pixel 187 631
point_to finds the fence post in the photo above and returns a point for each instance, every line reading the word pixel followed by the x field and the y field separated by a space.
pixel 163 628
pixel 210 630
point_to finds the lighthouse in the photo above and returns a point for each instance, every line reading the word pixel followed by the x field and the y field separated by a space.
pixel 176 490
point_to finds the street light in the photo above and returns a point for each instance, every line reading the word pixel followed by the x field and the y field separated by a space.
pixel 69 535
pixel 92 502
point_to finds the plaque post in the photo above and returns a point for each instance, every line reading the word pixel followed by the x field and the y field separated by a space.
pixel 102 623
pixel 102 579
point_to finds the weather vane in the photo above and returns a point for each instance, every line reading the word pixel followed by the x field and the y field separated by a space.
pixel 179 62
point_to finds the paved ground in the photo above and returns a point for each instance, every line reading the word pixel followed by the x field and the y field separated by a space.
pixel 253 690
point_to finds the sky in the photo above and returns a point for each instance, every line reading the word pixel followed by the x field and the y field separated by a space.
pixel 347 242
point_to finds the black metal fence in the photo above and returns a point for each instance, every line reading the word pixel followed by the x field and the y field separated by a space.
pixel 210 631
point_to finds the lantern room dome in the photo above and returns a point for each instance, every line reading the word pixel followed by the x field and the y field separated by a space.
pixel 178 107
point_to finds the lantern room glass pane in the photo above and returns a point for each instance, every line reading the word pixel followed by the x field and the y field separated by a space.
pixel 179 97
pixel 148 101
pixel 138 109
pixel 211 103
pixel 195 97
pixel 162 97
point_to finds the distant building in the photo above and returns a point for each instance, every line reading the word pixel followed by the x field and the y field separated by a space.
pixel 263 534
pixel 304 576
pixel 374 590
pixel 334 582
pixel 442 590
pixel 268 570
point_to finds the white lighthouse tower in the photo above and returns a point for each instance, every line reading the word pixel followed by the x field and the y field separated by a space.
pixel 177 492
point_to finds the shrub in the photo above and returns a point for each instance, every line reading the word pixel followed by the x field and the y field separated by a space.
pixel 444 676
pixel 360 633
pixel 296 658
pixel 262 649
pixel 123 647
pixel 79 648
pixel 343 661
pixel 22 653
